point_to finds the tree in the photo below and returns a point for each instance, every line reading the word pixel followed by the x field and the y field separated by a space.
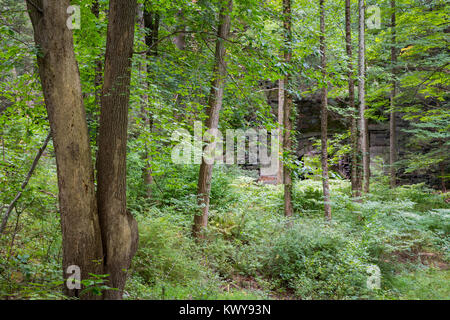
pixel 287 109
pixel 363 124
pixel 281 93
pixel 392 122
pixel 324 114
pixel 102 240
pixel 58 70
pixel 213 112
pixel 119 229
pixel 151 25
pixel 355 141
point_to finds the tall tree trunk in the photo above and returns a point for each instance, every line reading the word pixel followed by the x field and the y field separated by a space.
pixel 324 115
pixel 119 229
pixel 280 128
pixel 60 78
pixel 444 174
pixel 392 124
pixel 355 142
pixel 287 108
pixel 213 111
pixel 363 124
pixel 151 24
pixel 180 42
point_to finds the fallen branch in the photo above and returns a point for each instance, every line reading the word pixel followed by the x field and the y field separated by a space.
pixel 24 184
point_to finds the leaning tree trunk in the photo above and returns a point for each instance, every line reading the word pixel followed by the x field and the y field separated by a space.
pixel 60 78
pixel 324 115
pixel 119 229
pixel 392 122
pixel 363 124
pixel 355 142
pixel 287 123
pixel 213 111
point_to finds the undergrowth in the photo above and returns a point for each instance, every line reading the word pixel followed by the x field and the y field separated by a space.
pixel 250 250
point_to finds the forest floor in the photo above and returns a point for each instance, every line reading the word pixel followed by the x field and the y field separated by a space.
pixel 249 253
pixel 397 238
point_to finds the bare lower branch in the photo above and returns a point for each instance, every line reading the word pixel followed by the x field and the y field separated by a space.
pixel 24 184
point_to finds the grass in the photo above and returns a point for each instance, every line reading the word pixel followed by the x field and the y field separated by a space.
pixel 427 284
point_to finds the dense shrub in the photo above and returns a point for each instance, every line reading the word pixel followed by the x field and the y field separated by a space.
pixel 317 261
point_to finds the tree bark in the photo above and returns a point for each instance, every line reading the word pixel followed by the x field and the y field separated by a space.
pixel 324 115
pixel 355 142
pixel 392 122
pixel 60 78
pixel 287 108
pixel 363 124
pixel 213 112
pixel 119 229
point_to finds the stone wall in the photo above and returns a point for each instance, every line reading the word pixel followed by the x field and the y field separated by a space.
pixel 308 129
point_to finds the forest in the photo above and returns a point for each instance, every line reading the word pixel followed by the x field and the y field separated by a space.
pixel 224 150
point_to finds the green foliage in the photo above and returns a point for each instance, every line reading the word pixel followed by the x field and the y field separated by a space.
pixel 429 284
pixel 96 285
pixel 318 261
pixel 178 186
pixel 166 253
pixel 168 264
pixel 249 251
